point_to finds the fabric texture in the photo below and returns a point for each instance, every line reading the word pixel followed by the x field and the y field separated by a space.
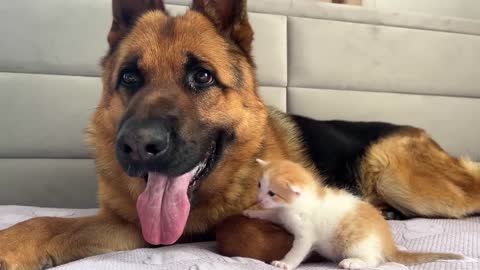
pixel 436 235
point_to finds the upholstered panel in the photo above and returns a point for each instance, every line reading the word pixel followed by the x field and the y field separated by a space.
pixel 333 12
pixel 270 48
pixel 44 116
pixel 48 182
pixel 76 39
pixel 342 55
pixel 54 36
pixel 450 120
pixel 274 96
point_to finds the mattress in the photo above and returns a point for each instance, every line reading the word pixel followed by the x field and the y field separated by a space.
pixel 442 235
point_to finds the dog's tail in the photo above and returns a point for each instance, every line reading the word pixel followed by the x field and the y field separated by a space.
pixel 473 190
pixel 472 167
pixel 411 258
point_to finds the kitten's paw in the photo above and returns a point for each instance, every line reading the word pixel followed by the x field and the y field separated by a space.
pixel 282 265
pixel 246 213
pixel 250 213
pixel 353 263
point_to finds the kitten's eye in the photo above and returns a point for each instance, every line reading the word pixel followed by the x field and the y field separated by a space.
pixel 271 194
pixel 259 185
pixel 131 79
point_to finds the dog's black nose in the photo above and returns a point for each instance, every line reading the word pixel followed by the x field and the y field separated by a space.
pixel 143 141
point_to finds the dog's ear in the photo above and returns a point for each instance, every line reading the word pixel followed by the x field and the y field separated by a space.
pixel 231 19
pixel 125 13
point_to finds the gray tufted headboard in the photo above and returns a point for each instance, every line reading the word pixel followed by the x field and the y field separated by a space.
pixel 321 60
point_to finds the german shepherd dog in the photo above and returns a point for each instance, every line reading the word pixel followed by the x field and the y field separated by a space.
pixel 177 132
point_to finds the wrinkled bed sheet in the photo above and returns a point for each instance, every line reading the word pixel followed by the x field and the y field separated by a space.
pixel 442 235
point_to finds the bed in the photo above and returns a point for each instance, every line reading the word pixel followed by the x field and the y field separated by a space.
pixel 460 236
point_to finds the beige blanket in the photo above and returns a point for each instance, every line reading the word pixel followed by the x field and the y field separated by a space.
pixel 442 235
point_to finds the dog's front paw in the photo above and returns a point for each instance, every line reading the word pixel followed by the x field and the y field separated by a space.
pixel 23 248
pixel 282 265
pixel 11 261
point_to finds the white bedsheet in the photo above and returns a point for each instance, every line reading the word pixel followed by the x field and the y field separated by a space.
pixel 460 236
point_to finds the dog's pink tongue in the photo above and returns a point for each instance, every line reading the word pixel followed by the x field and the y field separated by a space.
pixel 163 208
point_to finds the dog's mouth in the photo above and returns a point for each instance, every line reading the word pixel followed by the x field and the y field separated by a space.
pixel 205 167
pixel 164 206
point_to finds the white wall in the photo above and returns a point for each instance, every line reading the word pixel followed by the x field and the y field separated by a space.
pixel 457 8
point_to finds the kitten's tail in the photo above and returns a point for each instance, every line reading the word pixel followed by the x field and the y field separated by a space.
pixel 410 258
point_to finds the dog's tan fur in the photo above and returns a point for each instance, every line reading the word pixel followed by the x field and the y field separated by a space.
pixel 449 187
pixel 414 174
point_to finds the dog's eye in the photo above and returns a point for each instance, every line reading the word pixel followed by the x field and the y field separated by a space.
pixel 271 193
pixel 131 79
pixel 202 78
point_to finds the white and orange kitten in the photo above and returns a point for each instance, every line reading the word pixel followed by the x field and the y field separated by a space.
pixel 334 223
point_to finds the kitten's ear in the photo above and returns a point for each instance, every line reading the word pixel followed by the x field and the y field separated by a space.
pixel 262 162
pixel 296 189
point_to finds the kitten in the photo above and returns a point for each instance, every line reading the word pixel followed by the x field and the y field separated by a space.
pixel 332 222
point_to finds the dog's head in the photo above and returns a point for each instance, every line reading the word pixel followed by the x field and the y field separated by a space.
pixel 179 96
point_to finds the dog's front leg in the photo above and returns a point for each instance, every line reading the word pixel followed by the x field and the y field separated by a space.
pixel 44 242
